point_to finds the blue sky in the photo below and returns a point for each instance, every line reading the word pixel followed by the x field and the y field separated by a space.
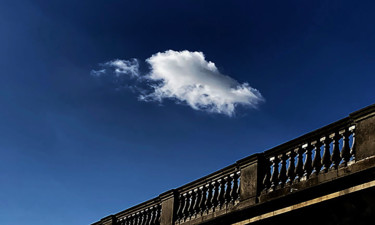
pixel 75 147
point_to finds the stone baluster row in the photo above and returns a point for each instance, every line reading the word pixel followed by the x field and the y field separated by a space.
pixel 298 164
pixel 213 196
pixel 149 216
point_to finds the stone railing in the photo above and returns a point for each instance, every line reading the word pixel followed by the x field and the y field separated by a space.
pixel 330 153
pixel 315 153
pixel 147 213
pixel 213 193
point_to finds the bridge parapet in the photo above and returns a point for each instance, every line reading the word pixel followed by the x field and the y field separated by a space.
pixel 315 163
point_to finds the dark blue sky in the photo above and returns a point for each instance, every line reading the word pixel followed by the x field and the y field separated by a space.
pixel 75 149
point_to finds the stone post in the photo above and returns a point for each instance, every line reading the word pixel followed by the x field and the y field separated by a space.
pixel 364 132
pixel 168 207
pixel 250 177
pixel 109 220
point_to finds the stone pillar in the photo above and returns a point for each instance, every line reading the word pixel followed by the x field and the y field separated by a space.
pixel 109 220
pixel 168 207
pixel 250 178
pixel 364 132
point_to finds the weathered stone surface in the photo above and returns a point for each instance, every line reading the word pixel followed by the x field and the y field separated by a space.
pixel 249 181
pixel 365 138
pixel 168 206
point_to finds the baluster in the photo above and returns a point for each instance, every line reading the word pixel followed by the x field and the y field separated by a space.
pixel 121 221
pixel 352 149
pixel 215 195
pixel 143 217
pixel 186 205
pixel 198 197
pixel 307 167
pixel 208 203
pixel 267 176
pixel 282 175
pixel 132 219
pixel 138 215
pixel 275 172
pixel 124 221
pixel 234 192
pixel 202 204
pixel 335 157
pixel 157 215
pixel 221 197
pixel 299 167
pixel 151 216
pixel 147 216
pixel 228 191
pixel 136 219
pixel 317 165
pixel 290 173
pixel 139 218
pixel 345 151
pixel 192 202
pixel 180 207
pixel 326 160
pixel 128 220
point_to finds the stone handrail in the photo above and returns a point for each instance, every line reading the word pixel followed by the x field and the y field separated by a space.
pixel 323 155
pixel 305 157
pixel 209 194
pixel 146 213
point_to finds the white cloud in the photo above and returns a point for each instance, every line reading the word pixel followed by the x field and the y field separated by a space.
pixel 98 73
pixel 119 67
pixel 186 77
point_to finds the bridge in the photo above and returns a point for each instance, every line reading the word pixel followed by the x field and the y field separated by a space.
pixel 326 176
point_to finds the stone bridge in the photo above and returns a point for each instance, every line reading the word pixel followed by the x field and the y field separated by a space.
pixel 326 176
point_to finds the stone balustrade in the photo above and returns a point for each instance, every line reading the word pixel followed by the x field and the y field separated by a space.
pixel 148 216
pixel 147 213
pixel 330 153
pixel 318 152
pixel 209 196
